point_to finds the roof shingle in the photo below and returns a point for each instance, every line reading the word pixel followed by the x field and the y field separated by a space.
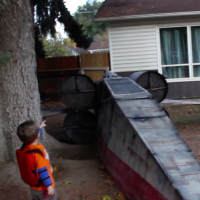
pixel 118 8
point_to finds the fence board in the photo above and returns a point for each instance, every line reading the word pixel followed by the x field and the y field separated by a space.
pixel 60 63
pixel 95 75
pixel 95 60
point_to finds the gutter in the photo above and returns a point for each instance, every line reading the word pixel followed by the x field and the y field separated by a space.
pixel 148 16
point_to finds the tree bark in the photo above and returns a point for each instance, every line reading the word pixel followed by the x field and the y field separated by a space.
pixel 19 96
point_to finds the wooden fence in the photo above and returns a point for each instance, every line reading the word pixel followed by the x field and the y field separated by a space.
pixel 58 64
pixel 53 71
pixel 95 65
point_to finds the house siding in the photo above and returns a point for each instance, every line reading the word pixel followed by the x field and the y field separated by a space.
pixel 133 48
pixel 181 90
pixel 134 45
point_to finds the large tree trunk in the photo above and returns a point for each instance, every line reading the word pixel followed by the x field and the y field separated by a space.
pixel 19 96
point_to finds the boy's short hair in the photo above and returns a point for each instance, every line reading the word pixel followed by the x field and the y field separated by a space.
pixel 28 132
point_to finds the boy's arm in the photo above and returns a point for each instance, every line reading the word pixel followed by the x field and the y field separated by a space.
pixel 44 176
pixel 42 125
pixel 40 132
pixel 43 170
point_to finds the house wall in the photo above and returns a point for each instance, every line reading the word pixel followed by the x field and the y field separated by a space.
pixel 135 46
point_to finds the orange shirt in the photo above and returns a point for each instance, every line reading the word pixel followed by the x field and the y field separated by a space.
pixel 42 162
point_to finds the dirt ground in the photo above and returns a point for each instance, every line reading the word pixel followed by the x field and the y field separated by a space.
pixel 186 118
pixel 80 175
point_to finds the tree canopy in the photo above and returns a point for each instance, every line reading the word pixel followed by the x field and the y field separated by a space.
pixel 54 47
pixel 48 12
pixel 85 14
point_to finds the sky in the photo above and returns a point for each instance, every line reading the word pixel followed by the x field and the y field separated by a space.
pixel 72 6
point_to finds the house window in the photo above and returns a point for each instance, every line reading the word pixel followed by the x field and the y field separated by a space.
pixel 196 50
pixel 174 52
pixel 176 46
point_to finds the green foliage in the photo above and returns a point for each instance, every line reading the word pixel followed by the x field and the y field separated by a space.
pixel 68 42
pixel 54 47
pixel 48 12
pixel 4 59
pixel 85 14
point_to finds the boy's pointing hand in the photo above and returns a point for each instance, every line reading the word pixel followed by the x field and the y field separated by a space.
pixel 43 124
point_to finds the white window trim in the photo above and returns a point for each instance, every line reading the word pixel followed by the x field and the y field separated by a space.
pixel 177 65
pixel 190 55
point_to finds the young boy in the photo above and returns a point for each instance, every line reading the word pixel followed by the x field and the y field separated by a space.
pixel 33 161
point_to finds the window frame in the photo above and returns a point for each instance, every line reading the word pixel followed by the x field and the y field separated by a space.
pixel 190 53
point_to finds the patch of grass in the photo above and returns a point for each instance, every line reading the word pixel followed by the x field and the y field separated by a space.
pixel 183 114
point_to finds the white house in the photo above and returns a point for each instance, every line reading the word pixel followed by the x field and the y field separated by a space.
pixel 158 35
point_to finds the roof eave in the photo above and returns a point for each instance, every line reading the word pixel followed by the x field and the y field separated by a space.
pixel 159 15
